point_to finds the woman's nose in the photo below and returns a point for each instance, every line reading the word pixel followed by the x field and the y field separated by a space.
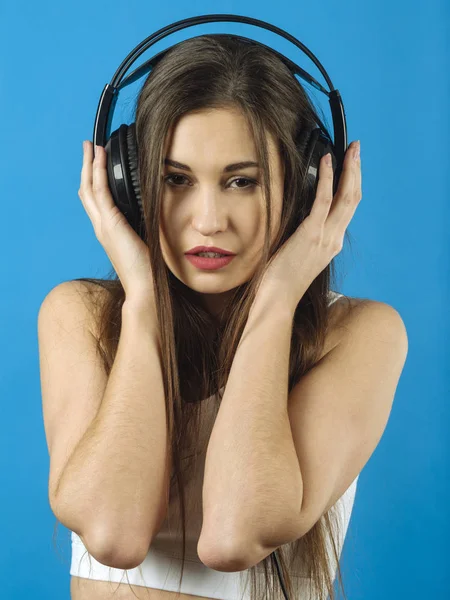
pixel 209 216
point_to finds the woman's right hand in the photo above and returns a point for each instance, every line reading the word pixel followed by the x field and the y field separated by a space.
pixel 128 253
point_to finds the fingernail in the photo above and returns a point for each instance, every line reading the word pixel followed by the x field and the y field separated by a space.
pixel 356 150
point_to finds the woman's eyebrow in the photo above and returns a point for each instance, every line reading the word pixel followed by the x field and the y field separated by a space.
pixel 233 167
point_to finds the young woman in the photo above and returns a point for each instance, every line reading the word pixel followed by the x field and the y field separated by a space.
pixel 215 410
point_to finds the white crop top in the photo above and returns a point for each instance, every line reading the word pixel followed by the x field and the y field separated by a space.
pixel 162 565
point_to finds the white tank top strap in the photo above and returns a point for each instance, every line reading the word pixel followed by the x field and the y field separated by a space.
pixel 333 296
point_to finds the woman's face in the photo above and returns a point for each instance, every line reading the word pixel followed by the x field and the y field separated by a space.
pixel 205 205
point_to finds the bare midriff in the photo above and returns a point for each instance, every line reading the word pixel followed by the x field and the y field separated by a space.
pixel 92 589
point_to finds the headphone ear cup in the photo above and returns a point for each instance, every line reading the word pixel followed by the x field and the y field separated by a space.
pixel 317 146
pixel 133 163
pixel 123 175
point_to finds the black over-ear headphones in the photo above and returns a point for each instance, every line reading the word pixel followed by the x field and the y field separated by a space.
pixel 121 146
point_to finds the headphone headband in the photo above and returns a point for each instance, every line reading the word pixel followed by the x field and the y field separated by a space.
pixel 108 98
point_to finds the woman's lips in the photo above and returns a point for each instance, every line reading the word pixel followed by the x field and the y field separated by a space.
pixel 209 264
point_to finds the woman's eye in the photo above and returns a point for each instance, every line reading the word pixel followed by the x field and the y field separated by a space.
pixel 250 182
pixel 169 179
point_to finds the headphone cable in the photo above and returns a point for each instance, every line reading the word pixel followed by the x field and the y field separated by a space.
pixel 280 576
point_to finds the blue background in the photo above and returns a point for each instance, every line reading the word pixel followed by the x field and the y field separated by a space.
pixel 390 62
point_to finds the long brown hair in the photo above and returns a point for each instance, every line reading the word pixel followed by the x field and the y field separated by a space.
pixel 204 73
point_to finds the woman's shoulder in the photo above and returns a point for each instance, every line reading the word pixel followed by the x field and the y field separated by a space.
pixel 346 312
pixel 94 293
pixel 342 310
pixel 342 307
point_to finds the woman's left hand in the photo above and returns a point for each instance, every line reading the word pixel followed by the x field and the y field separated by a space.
pixel 319 237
